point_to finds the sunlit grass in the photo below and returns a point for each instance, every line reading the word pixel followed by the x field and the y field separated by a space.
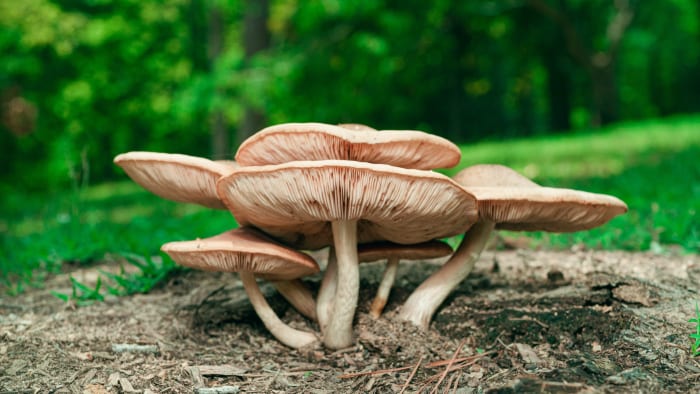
pixel 585 155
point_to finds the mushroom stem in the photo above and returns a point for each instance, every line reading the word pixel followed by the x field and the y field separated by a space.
pixel 384 288
pixel 424 301
pixel 297 294
pixel 287 335
pixel 338 333
pixel 326 292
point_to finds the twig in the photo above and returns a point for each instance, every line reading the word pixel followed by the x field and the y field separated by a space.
pixel 528 318
pixel 451 369
pixel 455 380
pixel 218 390
pixel 410 377
pixel 133 348
pixel 447 369
pixel 440 363
pixel 377 372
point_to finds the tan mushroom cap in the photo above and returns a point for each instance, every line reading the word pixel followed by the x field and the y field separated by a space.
pixel 242 250
pixel 296 202
pixel 492 175
pixel 177 177
pixel 356 127
pixel 318 141
pixel 381 250
pixel 516 203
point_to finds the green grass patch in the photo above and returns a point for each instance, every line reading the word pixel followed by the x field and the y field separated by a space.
pixel 42 233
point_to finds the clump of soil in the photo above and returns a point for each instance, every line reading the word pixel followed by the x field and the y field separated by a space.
pixel 524 321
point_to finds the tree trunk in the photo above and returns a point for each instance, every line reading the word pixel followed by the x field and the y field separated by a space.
pixel 605 95
pixel 599 65
pixel 220 141
pixel 256 38
pixel 558 92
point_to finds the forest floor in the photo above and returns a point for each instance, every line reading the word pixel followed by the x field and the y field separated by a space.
pixel 525 321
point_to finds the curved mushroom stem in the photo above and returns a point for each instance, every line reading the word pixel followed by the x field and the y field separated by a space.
pixel 338 333
pixel 287 335
pixel 384 288
pixel 297 294
pixel 424 301
pixel 324 299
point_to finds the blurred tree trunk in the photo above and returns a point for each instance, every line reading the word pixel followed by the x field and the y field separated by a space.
pixel 256 38
pixel 220 141
pixel 599 65
pixel 198 22
pixel 558 91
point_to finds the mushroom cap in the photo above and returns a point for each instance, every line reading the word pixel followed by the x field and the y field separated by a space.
pixel 516 203
pixel 422 251
pixel 546 208
pixel 356 127
pixel 177 177
pixel 492 175
pixel 242 249
pixel 318 141
pixel 296 201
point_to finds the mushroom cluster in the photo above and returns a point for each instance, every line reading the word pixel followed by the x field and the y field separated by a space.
pixel 365 194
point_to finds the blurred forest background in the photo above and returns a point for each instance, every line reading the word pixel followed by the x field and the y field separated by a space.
pixel 84 80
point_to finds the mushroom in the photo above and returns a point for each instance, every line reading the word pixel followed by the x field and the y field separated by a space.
pixel 374 251
pixel 177 177
pixel 356 127
pixel 507 200
pixel 193 179
pixel 393 253
pixel 318 141
pixel 249 253
pixel 298 202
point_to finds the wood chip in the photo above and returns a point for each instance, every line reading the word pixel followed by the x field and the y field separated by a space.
pixel 95 389
pixel 527 353
pixel 89 375
pixel 126 386
pixel 218 390
pixel 113 379
pixel 197 379
pixel 16 367
pixel 220 370
pixel 634 294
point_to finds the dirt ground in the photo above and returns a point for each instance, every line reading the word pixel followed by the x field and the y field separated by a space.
pixel 525 321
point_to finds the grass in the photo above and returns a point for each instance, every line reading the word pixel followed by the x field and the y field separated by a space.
pixel 695 346
pixel 653 166
pixel 114 221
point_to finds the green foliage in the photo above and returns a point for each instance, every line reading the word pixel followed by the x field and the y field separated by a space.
pixel 82 295
pixel 150 273
pixel 104 77
pixel 42 232
pixel 695 347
